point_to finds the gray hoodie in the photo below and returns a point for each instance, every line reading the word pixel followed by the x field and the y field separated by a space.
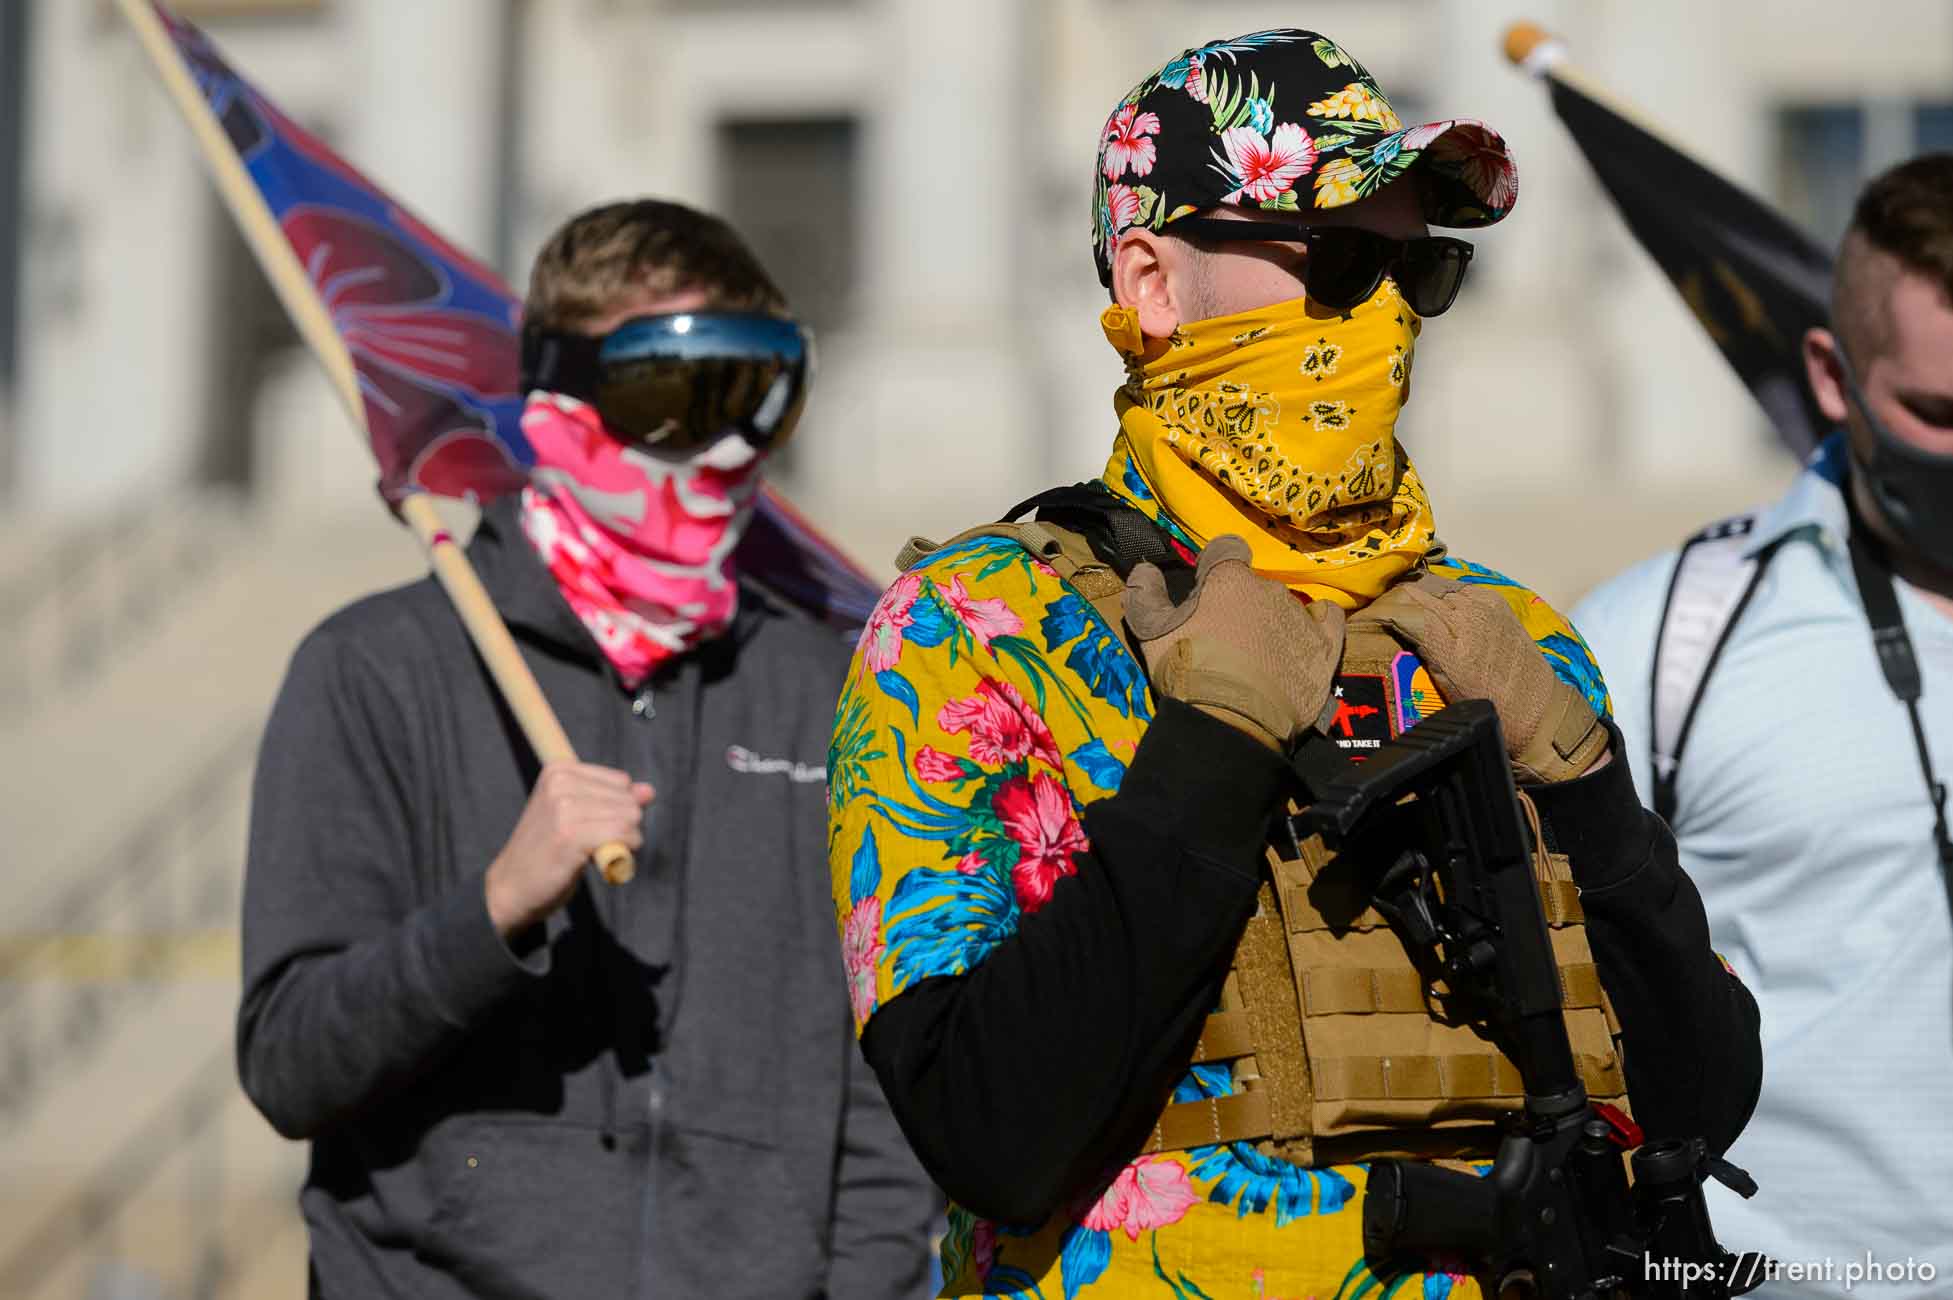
pixel 655 1094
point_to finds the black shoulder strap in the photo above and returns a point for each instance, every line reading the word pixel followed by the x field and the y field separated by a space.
pixel 1711 586
pixel 1119 533
pixel 1901 668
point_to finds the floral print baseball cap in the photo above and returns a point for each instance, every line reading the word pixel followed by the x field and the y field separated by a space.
pixel 1283 121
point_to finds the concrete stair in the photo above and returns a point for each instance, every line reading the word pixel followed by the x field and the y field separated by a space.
pixel 74 771
pixel 136 1170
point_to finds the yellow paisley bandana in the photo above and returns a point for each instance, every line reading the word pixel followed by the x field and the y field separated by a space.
pixel 1278 425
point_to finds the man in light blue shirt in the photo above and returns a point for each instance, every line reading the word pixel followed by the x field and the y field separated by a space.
pixel 1802 797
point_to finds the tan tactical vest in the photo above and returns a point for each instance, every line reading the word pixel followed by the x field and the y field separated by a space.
pixel 1341 1049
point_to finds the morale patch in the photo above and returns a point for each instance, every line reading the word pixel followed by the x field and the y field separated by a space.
pixel 1416 694
pixel 1362 721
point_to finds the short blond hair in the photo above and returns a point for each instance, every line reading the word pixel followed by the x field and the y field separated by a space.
pixel 608 253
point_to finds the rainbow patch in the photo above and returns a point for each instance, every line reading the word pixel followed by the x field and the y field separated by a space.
pixel 1415 693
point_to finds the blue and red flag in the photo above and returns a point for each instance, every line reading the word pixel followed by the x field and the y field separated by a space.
pixel 433 336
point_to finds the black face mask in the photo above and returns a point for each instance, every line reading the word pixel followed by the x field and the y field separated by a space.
pixel 1913 489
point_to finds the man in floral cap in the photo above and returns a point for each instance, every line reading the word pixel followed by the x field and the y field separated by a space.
pixel 1216 106
pixel 1052 787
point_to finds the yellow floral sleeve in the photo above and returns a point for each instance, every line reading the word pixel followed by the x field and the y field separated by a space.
pixel 986 705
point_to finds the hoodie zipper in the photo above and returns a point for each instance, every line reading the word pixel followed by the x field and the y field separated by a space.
pixel 644 708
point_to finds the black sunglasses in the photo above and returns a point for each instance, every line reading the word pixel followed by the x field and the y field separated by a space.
pixel 1345 265
pixel 681 381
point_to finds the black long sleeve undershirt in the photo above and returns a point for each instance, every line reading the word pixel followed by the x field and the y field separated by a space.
pixel 1689 1029
pixel 1021 1082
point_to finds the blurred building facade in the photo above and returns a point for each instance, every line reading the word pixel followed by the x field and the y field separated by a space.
pixel 918 173
pixel 180 498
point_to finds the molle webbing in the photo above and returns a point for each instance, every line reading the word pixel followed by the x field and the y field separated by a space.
pixel 1367 991
pixel 1258 1029
pixel 1310 1074
pixel 1353 1048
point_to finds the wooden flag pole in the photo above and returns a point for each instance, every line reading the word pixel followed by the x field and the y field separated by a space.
pixel 1532 47
pixel 1540 53
pixel 308 312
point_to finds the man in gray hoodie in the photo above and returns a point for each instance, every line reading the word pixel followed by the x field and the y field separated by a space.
pixel 519 1081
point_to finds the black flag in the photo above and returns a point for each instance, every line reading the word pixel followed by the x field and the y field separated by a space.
pixel 1754 281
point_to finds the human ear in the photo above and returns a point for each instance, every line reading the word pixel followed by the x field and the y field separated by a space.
pixel 1824 372
pixel 1144 276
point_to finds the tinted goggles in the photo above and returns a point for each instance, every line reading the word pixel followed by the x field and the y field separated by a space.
pixel 681 381
pixel 1345 265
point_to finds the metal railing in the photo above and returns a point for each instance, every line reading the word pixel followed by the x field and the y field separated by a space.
pixel 155 885
pixel 184 1129
pixel 103 948
pixel 64 616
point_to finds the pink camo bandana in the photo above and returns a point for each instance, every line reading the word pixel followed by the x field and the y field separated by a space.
pixel 641 546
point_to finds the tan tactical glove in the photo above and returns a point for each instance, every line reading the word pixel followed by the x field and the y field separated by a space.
pixel 1475 649
pixel 1241 647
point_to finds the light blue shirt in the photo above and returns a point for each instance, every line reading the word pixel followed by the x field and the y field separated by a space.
pixel 1803 818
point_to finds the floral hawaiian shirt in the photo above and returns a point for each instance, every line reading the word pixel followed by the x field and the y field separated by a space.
pixel 987 705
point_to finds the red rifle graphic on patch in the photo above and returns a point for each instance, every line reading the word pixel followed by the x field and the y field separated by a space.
pixel 1347 714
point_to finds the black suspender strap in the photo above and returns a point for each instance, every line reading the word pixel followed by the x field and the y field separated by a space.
pixel 1901 668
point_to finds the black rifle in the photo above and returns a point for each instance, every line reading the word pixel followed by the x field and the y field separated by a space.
pixel 1555 1218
